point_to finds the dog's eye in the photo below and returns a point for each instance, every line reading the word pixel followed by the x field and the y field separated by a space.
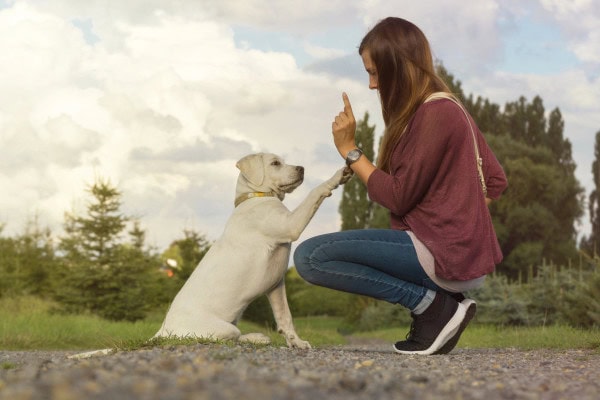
pixel 275 163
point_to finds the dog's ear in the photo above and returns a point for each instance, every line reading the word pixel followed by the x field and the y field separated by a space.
pixel 252 168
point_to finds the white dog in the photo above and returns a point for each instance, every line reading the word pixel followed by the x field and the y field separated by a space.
pixel 251 257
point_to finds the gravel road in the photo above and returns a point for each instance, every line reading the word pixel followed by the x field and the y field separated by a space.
pixel 357 371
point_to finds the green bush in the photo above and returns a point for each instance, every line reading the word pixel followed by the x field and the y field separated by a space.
pixel 545 293
pixel 499 302
pixel 260 312
pixel 304 300
pixel 553 296
pixel 125 289
pixel 581 307
pixel 550 296
pixel 380 315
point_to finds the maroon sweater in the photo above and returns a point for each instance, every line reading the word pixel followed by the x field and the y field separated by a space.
pixel 434 191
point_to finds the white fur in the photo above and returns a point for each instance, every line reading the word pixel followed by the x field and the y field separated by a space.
pixel 250 258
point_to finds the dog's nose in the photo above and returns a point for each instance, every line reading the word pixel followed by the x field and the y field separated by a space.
pixel 300 170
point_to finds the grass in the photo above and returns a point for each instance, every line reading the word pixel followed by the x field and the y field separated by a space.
pixel 524 338
pixel 7 365
pixel 27 324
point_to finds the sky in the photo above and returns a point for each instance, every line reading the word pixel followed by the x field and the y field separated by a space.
pixel 162 98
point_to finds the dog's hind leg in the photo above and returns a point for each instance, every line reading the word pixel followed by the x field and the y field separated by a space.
pixel 227 331
pixel 255 338
pixel 202 326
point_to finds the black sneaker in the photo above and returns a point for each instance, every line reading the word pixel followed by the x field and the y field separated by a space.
pixel 471 307
pixel 458 296
pixel 431 330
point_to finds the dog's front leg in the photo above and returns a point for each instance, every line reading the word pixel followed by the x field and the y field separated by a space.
pixel 283 317
pixel 301 216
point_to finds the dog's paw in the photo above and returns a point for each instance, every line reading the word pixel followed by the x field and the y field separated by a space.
pixel 347 173
pixel 293 340
pixel 339 178
pixel 298 343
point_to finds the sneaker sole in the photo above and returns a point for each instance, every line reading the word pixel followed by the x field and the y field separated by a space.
pixel 471 306
pixel 445 335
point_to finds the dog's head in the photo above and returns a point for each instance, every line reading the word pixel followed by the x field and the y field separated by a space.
pixel 264 172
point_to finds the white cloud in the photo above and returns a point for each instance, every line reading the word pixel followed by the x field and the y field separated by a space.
pixel 323 53
pixel 162 101
pixel 162 106
pixel 580 20
pixel 462 36
pixel 297 17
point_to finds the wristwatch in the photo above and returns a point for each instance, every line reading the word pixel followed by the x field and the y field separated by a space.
pixel 353 156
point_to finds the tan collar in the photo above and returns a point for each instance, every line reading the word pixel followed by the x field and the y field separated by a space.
pixel 250 195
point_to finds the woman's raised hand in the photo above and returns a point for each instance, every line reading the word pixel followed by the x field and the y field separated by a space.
pixel 344 128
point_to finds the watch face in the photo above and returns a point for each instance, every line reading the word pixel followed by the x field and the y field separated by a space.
pixel 353 155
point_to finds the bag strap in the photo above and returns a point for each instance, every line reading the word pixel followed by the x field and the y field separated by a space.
pixel 478 160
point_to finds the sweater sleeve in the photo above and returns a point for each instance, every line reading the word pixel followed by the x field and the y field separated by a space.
pixel 416 160
pixel 495 178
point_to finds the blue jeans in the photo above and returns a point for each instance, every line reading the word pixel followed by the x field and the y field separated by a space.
pixel 380 263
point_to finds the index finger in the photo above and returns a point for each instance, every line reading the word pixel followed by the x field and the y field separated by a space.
pixel 347 106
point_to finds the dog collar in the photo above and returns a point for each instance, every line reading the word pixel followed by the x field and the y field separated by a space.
pixel 250 195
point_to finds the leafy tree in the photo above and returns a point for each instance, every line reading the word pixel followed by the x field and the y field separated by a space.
pixel 560 147
pixel 188 252
pixel 536 216
pixel 100 273
pixel 453 84
pixel 591 244
pixel 536 122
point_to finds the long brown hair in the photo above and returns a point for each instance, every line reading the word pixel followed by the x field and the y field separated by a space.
pixel 406 76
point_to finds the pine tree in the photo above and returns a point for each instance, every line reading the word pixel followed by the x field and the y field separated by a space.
pixel 37 258
pixel 26 261
pixel 100 273
pixel 9 284
pixel 138 236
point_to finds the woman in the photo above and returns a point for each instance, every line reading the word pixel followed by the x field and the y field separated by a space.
pixel 442 240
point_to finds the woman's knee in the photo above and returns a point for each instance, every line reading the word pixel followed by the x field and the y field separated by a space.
pixel 302 260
